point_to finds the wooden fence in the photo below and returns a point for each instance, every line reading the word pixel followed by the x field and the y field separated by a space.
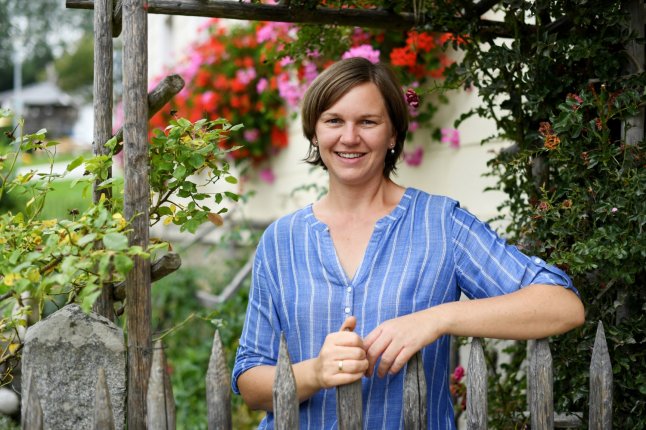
pixel 161 406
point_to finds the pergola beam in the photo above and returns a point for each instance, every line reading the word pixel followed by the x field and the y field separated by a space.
pixel 368 18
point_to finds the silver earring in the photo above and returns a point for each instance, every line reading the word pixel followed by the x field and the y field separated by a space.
pixel 315 141
pixel 392 151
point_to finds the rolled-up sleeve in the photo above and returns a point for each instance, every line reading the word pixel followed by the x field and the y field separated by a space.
pixel 487 265
pixel 260 337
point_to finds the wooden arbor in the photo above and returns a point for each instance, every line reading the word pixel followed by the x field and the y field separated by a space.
pixel 138 105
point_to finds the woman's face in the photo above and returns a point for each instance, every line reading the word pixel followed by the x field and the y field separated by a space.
pixel 354 135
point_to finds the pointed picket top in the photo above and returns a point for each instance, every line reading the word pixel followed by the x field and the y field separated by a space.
pixel 218 391
pixel 415 411
pixel 158 416
pixel 284 391
pixel 33 415
pixel 103 419
pixel 476 387
pixel 600 383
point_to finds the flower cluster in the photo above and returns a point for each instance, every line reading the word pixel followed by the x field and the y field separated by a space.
pixel 243 74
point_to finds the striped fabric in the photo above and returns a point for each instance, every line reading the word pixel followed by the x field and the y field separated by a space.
pixel 427 251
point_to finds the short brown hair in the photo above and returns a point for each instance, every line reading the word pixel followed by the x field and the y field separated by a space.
pixel 334 82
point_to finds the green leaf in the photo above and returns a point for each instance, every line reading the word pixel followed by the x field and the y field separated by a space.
pixel 75 163
pixel 123 264
pixel 115 241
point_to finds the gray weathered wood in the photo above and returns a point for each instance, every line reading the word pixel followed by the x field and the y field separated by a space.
pixel 32 415
pixel 369 18
pixel 634 127
pixel 476 387
pixel 103 418
pixel 171 412
pixel 136 205
pixel 159 415
pixel 117 18
pixel 415 410
pixel 218 388
pixel 104 304
pixel 349 410
pixel 164 266
pixel 165 90
pixel 542 407
pixel 284 391
pixel 600 417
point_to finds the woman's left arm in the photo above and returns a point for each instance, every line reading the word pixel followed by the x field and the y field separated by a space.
pixel 533 312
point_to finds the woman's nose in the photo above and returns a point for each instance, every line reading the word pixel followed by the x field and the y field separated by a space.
pixel 350 134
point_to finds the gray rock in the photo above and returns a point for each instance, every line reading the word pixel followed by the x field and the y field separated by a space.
pixel 62 354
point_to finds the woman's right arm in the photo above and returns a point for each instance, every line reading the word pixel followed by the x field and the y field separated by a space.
pixel 311 375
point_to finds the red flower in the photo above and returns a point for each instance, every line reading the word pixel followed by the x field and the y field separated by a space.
pixel 403 57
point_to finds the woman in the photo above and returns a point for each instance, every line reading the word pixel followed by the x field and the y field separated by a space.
pixel 370 274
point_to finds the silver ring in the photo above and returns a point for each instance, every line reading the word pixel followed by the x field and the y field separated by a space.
pixel 340 365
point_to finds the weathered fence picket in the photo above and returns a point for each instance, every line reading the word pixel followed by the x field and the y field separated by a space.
pixel 103 418
pixel 476 387
pixel 160 402
pixel 540 380
pixel 415 410
pixel 284 391
pixel 218 388
pixel 600 416
pixel 348 402
pixel 32 415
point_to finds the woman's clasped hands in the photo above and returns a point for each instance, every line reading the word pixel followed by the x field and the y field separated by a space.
pixel 345 357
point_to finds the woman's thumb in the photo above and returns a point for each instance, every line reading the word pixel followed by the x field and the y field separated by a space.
pixel 349 324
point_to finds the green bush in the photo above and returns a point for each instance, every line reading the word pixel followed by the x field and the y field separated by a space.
pixel 561 90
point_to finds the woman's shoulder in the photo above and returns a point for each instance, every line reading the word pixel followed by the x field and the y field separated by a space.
pixel 287 224
pixel 436 202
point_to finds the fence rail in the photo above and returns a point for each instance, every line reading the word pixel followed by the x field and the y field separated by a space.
pixel 161 406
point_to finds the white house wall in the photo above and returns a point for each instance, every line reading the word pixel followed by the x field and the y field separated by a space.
pixel 453 172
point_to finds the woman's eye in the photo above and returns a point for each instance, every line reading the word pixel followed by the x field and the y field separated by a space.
pixel 368 122
pixel 333 121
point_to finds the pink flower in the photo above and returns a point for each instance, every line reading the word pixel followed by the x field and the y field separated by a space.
pixel 414 158
pixel 412 98
pixel 290 91
pixel 262 85
pixel 613 210
pixel 310 72
pixel 365 51
pixel 413 126
pixel 285 61
pixel 458 373
pixel 267 175
pixel 246 75
pixel 451 136
pixel 251 135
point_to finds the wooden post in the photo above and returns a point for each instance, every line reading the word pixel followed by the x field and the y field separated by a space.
pixel 218 389
pixel 104 304
pixel 600 416
pixel 634 127
pixel 32 415
pixel 349 409
pixel 542 406
pixel 415 410
pixel 284 391
pixel 136 206
pixel 476 387
pixel 160 408
pixel 103 418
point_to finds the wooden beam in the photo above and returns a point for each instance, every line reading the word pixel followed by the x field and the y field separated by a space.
pixel 287 12
pixel 136 206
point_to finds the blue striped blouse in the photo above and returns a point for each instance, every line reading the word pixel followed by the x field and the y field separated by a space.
pixel 427 251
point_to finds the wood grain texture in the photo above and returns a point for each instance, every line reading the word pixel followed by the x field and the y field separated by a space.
pixel 136 204
pixel 542 406
pixel 415 392
pixel 600 416
pixel 284 391
pixel 218 388
pixel 476 387
pixel 102 89
pixel 103 416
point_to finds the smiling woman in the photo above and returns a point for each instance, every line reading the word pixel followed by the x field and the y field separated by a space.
pixel 364 278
